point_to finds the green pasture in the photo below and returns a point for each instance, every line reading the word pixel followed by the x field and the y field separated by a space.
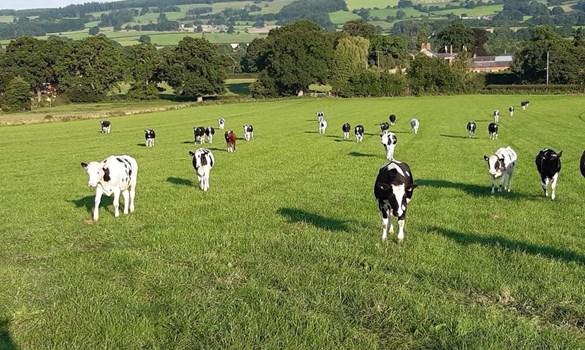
pixel 285 250
pixel 340 17
pixel 488 10
pixel 370 4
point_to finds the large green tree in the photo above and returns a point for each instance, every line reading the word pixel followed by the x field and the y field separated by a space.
pixel 194 68
pixel 30 59
pixel 456 35
pixel 17 96
pixel 297 55
pixel 351 56
pixel 143 60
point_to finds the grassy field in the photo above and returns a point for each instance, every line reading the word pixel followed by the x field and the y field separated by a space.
pixel 285 249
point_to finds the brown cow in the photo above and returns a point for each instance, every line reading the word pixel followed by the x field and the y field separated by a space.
pixel 230 138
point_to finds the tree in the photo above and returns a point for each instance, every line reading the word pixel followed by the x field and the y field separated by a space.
pixel 30 59
pixel 428 75
pixel 144 38
pixel 194 68
pixel 387 51
pixel 94 30
pixel 456 35
pixel 143 62
pixel 255 58
pixel 351 56
pixel 359 27
pixel 296 55
pixel 17 96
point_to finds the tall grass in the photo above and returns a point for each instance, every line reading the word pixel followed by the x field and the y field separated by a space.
pixel 285 249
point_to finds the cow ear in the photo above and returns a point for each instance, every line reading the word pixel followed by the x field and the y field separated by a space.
pixel 560 154
pixel 486 158
pixel 84 165
pixel 191 154
pixel 412 187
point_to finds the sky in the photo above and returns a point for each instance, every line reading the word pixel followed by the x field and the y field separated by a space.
pixel 32 4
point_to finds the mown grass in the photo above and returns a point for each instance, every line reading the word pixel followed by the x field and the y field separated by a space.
pixel 284 251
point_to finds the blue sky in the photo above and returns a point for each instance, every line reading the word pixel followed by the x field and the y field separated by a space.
pixel 31 4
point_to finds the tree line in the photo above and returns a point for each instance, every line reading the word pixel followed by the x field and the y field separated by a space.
pixel 356 61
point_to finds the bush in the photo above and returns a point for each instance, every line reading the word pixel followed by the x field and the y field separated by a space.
pixel 143 92
pixel 17 96
pixel 83 93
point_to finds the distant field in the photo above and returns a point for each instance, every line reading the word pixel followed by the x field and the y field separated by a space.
pixel 285 250
pixel 383 13
pixel 477 11
pixel 6 19
pixel 340 17
pixel 368 4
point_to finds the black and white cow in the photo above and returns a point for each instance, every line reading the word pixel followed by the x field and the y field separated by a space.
pixel 221 123
pixel 322 125
pixel 414 124
pixel 199 134
pixel 511 111
pixel 389 141
pixel 548 164
pixel 203 161
pixel 582 164
pixel 248 132
pixel 346 128
pixel 502 164
pixel 113 175
pixel 359 133
pixel 496 116
pixel 393 190
pixel 209 132
pixel 524 104
pixel 392 119
pixel 471 126
pixel 320 115
pixel 106 126
pixel 149 136
pixel 384 127
pixel 493 131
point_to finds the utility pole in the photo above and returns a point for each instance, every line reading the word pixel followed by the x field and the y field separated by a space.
pixel 547 64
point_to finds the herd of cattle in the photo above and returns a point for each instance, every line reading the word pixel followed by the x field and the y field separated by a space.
pixel 393 188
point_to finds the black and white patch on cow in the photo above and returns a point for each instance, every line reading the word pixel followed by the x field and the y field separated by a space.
pixel 493 131
pixel 248 132
pixel 392 119
pixel 524 104
pixel 501 164
pixel 346 129
pixel 106 126
pixel 384 127
pixel 414 124
pixel 149 136
pixel 393 189
pixel 322 123
pixel 389 141
pixel 199 134
pixel 209 132
pixel 496 116
pixel 511 111
pixel 320 115
pixel 548 164
pixel 582 164
pixel 471 126
pixel 221 123
pixel 112 176
pixel 359 133
pixel 203 161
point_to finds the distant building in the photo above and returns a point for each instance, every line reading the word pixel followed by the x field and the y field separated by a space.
pixel 448 55
pixel 491 63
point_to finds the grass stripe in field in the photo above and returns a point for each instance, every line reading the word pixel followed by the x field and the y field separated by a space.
pixel 284 251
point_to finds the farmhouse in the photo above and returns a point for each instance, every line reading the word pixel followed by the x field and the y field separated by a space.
pixel 448 55
pixel 490 63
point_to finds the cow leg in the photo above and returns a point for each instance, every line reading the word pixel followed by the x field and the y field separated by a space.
pixel 400 237
pixel 554 185
pixel 132 195
pixel 544 184
pixel 98 198
pixel 493 184
pixel 502 184
pixel 116 202
pixel 510 175
pixel 126 196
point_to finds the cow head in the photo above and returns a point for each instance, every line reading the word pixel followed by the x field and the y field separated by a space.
pixel 495 165
pixel 96 172
pixel 398 195
pixel 388 139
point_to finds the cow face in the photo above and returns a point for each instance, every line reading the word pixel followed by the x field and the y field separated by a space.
pixel 388 139
pixel 96 172
pixel 397 195
pixel 495 165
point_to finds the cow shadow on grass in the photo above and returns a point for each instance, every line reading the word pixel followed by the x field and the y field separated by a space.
pixel 510 245
pixel 456 136
pixel 141 144
pixel 359 154
pixel 180 181
pixel 473 189
pixel 88 202
pixel 6 341
pixel 301 217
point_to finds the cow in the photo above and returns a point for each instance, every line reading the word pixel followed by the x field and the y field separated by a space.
pixel 548 164
pixel 320 115
pixel 414 124
pixel 203 161
pixel 384 127
pixel 346 128
pixel 106 126
pixel 248 132
pixel 471 126
pixel 230 139
pixel 393 189
pixel 322 126
pixel 199 134
pixel 392 119
pixel 502 164
pixel 359 133
pixel 493 131
pixel 582 164
pixel 496 116
pixel 524 104
pixel 209 132
pixel 389 141
pixel 113 175
pixel 149 136
pixel 221 123
pixel 511 111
